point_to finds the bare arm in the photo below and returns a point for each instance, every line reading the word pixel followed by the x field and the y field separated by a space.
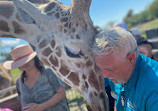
pixel 60 95
pixel 115 106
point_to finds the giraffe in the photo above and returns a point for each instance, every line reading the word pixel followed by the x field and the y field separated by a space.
pixel 63 37
pixel 6 81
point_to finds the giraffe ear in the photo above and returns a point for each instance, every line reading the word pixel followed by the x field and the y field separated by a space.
pixel 28 12
pixel 25 17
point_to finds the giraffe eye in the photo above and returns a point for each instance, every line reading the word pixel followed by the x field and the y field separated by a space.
pixel 72 54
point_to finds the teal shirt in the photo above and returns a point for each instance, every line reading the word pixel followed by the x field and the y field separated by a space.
pixel 140 93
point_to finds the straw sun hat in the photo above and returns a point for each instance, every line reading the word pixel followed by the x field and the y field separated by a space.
pixel 21 55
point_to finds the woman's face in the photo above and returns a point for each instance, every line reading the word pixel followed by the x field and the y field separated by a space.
pixel 28 66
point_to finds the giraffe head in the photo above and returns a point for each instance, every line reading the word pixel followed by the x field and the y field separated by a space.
pixel 64 44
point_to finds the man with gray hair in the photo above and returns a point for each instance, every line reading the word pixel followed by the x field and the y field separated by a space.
pixel 133 76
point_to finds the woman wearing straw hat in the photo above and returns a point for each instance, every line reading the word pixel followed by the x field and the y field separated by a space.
pixel 38 88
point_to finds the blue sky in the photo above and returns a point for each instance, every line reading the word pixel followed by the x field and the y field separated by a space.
pixel 101 12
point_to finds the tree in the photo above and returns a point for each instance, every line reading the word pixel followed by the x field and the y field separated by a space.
pixel 127 19
pixel 109 25
pixel 153 9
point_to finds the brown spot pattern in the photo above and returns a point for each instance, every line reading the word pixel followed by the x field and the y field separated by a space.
pixel 43 44
pixel 18 17
pixel 77 24
pixel 6 9
pixel 101 95
pixel 46 52
pixel 58 51
pixel 64 19
pixel 66 24
pixel 89 63
pixel 5 35
pixel 45 61
pixel 91 94
pixel 99 108
pixel 86 84
pixel 53 68
pixel 4 26
pixel 64 70
pixel 73 77
pixel 57 15
pixel 54 60
pixel 65 30
pixel 97 70
pixel 101 81
pixel 78 65
pixel 69 25
pixel 38 38
pixel 93 80
pixel 84 76
pixel 95 93
pixel 53 43
pixel 77 36
pixel 17 28
pixel 60 28
pixel 89 108
pixel 73 30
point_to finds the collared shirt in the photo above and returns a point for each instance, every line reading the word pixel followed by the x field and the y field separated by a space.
pixel 140 93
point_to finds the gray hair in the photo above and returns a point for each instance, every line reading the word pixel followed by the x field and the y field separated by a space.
pixel 115 40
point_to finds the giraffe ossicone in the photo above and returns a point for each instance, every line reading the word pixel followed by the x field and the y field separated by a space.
pixel 63 37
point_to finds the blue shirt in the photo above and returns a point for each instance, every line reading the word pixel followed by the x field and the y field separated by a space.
pixel 140 93
pixel 106 82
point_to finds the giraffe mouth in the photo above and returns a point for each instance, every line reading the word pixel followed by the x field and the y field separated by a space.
pixel 72 54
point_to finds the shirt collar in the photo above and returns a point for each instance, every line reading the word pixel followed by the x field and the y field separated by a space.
pixel 133 80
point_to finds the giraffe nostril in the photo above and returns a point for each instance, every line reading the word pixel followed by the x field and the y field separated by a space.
pixel 72 54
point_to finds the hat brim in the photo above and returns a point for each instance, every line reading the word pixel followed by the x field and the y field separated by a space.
pixel 18 63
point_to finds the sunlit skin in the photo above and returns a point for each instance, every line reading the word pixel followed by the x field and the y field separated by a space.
pixel 116 66
pixel 146 49
pixel 28 66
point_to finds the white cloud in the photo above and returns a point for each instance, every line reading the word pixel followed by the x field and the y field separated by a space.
pixel 10 42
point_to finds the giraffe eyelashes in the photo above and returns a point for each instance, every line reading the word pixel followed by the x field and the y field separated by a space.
pixel 72 54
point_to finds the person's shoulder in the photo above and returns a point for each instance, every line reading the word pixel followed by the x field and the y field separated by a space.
pixel 17 80
pixel 148 74
pixel 149 65
pixel 47 70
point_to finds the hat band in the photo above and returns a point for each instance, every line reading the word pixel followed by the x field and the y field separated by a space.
pixel 23 56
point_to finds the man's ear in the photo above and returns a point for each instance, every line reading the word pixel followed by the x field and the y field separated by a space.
pixel 131 58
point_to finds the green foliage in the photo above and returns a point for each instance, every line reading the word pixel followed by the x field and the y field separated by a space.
pixel 153 9
pixel 149 25
pixel 6 56
pixel 147 15
pixel 146 26
pixel 15 73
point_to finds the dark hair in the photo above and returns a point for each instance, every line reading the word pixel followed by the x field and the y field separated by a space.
pixel 38 66
pixel 142 41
